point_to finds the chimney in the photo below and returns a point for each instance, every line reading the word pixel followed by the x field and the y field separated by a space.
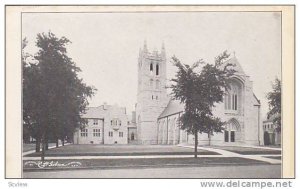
pixel 104 106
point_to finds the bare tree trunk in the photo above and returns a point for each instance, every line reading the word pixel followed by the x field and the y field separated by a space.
pixel 63 142
pixel 38 144
pixel 196 144
pixel 43 151
pixel 209 139
pixel 56 142
pixel 46 144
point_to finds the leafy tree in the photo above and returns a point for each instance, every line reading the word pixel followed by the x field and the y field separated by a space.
pixel 58 95
pixel 26 116
pixel 274 101
pixel 200 91
pixel 30 83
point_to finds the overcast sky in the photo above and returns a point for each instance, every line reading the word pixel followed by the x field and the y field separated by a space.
pixel 106 45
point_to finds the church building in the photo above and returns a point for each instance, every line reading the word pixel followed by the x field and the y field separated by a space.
pixel 157 114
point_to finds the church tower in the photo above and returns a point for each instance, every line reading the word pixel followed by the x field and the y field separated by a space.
pixel 152 94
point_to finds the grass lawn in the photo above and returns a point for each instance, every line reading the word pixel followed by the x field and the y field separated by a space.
pixel 248 150
pixel 145 162
pixel 28 147
pixel 273 157
pixel 120 150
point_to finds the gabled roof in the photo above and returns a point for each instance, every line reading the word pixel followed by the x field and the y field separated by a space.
pixel 93 112
pixel 173 107
pixel 238 68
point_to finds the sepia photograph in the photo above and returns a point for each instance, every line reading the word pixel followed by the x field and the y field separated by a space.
pixel 151 93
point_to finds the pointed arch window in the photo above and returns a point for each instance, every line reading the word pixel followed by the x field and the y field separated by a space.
pixel 151 67
pixel 157 69
pixel 234 99
pixel 231 99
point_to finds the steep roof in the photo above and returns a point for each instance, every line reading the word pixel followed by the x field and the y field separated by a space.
pixel 93 112
pixel 238 68
pixel 173 107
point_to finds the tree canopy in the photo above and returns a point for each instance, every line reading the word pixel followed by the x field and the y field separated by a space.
pixel 54 96
pixel 274 101
pixel 200 91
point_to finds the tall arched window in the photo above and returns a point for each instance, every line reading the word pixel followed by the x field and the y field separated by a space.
pixel 234 99
pixel 151 67
pixel 231 98
pixel 157 69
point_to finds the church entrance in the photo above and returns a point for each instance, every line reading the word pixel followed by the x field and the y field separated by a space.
pixel 232 131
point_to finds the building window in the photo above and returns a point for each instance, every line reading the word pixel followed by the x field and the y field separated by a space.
pixel 120 122
pixel 231 100
pixel 120 134
pixel 96 132
pixel 232 136
pixel 95 121
pixel 132 136
pixel 115 121
pixel 151 67
pixel 156 97
pixel 157 69
pixel 110 134
pixel 84 133
pixel 226 136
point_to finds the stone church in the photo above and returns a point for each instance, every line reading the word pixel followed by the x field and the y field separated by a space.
pixel 157 114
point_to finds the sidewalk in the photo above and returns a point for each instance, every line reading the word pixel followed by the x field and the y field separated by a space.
pixel 225 153
pixel 121 157
pixel 263 147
